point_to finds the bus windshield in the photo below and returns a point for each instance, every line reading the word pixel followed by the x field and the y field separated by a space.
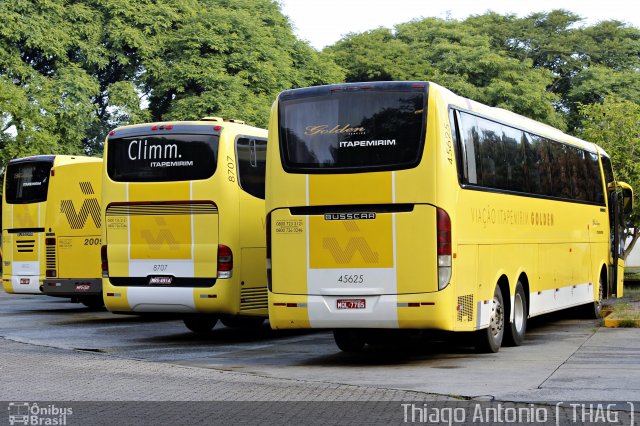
pixel 27 182
pixel 162 158
pixel 358 129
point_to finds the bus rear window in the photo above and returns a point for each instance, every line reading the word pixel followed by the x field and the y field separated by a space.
pixel 27 182
pixel 162 158
pixel 378 127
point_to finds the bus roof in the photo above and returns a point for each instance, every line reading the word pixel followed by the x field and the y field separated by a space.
pixel 57 160
pixel 207 121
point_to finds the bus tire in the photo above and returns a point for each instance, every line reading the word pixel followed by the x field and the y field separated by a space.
pixel 93 302
pixel 517 329
pixel 200 323
pixel 594 310
pixel 349 340
pixel 489 340
pixel 242 322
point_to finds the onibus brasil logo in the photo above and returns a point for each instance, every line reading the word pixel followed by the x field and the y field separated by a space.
pixel 25 413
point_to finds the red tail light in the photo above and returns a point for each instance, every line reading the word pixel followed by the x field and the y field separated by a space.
pixel 443 228
pixel 225 261
pixel 105 261
pixel 444 232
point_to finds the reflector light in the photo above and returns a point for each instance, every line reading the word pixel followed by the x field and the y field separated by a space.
pixel 105 262
pixel 154 127
pixel 217 128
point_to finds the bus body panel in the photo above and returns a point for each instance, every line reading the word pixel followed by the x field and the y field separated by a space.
pixel 557 249
pixel 181 229
pixel 22 272
pixel 75 218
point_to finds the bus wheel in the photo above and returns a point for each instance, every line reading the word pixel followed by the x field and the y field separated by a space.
pixel 349 340
pixel 93 302
pixel 594 310
pixel 490 338
pixel 242 322
pixel 517 328
pixel 200 323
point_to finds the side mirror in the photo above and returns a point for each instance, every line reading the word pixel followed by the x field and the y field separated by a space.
pixel 627 197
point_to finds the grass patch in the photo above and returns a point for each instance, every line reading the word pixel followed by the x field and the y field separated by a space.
pixel 625 312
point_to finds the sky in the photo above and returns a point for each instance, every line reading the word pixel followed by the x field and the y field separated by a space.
pixel 323 22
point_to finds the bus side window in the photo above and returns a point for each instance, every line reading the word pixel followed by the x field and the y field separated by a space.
pixel 470 137
pixel 251 154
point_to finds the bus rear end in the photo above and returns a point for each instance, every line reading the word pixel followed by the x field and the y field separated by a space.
pixel 73 239
pixel 161 251
pixel 24 199
pixel 355 239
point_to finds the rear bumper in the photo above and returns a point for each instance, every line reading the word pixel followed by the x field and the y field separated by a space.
pixel 22 284
pixel 411 311
pixel 66 287
pixel 222 298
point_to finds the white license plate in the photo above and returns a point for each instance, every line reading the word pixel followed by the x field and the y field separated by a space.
pixel 351 304
pixel 82 287
pixel 160 280
pixel 26 281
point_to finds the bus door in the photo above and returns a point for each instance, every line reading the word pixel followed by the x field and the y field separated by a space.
pixel 621 204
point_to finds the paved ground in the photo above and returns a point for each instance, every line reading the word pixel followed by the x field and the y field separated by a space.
pixel 51 350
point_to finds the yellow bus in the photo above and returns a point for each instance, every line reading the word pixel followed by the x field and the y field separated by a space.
pixel 51 227
pixel 184 215
pixel 399 205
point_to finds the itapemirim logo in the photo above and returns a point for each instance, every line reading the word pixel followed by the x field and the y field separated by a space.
pixel 31 414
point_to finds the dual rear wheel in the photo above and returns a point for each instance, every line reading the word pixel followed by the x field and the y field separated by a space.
pixel 500 328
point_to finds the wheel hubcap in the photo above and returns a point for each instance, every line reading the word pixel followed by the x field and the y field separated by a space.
pixel 518 312
pixel 497 318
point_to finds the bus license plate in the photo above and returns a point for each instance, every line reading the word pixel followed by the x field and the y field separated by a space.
pixel 351 304
pixel 26 281
pixel 161 280
pixel 82 287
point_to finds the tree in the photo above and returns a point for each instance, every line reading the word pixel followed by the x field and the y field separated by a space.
pixel 72 70
pixel 232 63
pixel 453 54
pixel 615 125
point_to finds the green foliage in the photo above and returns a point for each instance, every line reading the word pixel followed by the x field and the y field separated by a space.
pixel 455 55
pixel 541 66
pixel 72 70
pixel 615 125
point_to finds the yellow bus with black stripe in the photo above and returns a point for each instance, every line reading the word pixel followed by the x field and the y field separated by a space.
pixel 184 221
pixel 51 227
pixel 399 205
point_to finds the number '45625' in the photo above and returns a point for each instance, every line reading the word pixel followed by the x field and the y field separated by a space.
pixel 351 279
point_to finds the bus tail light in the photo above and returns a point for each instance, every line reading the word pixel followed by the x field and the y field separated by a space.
pixel 105 262
pixel 225 261
pixel 444 248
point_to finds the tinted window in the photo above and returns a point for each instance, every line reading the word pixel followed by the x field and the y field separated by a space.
pixel 161 158
pixel 470 139
pixel 353 129
pixel 251 155
pixel 512 140
pixel 27 182
pixel 498 156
